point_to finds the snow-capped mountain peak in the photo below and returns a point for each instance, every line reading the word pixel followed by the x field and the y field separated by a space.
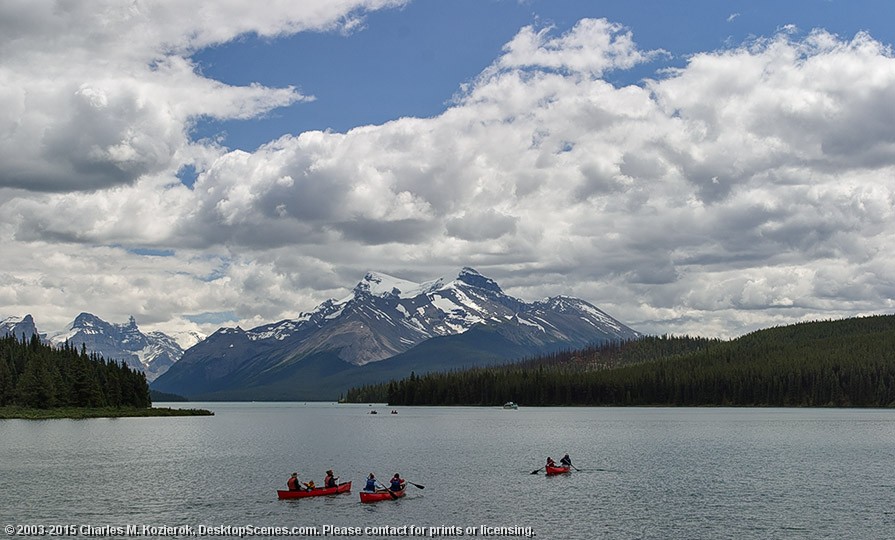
pixel 456 323
pixel 386 286
pixel 386 315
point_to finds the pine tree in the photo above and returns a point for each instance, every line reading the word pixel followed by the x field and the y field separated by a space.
pixel 35 388
pixel 7 381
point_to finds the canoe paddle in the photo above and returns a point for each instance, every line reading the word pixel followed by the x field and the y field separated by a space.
pixel 416 485
pixel 536 470
pixel 390 492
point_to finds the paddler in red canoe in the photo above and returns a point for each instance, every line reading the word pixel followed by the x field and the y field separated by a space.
pixel 372 483
pixel 397 483
pixel 292 483
pixel 330 481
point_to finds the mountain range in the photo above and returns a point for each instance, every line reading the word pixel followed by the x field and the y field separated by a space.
pixel 151 353
pixel 386 328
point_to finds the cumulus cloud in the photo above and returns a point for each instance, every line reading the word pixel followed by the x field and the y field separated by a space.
pixel 481 225
pixel 97 95
pixel 751 186
pixel 592 47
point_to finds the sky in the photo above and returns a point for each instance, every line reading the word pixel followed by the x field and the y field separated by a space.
pixel 706 167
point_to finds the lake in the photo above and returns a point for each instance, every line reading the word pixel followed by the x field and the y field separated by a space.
pixel 644 472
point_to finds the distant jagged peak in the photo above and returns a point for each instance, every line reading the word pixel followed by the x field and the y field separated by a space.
pixel 15 319
pixel 85 319
pixel 18 326
pixel 473 278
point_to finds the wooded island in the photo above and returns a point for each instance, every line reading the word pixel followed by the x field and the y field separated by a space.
pixel 40 381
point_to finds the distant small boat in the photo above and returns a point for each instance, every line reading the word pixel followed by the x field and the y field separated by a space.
pixel 376 496
pixel 394 412
pixel 510 405
pixel 373 412
pixel 344 487
pixel 557 470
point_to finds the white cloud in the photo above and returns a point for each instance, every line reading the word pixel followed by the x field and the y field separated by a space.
pixel 94 95
pixel 753 186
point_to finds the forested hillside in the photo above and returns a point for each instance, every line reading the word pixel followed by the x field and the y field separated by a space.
pixel 847 363
pixel 36 375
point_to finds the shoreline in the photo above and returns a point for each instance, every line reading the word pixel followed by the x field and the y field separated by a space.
pixel 78 413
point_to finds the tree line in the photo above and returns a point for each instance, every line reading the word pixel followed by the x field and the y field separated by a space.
pixel 36 375
pixel 848 363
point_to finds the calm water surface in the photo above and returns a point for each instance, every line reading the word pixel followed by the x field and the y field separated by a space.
pixel 644 473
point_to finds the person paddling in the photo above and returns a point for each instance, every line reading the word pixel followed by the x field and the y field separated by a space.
pixel 397 483
pixel 372 484
pixel 550 462
pixel 330 480
pixel 566 461
pixel 292 483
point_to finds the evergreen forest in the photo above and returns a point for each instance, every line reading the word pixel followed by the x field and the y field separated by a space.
pixel 36 375
pixel 845 363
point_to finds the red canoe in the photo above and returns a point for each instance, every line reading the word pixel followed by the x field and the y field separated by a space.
pixel 344 487
pixel 557 470
pixel 374 496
